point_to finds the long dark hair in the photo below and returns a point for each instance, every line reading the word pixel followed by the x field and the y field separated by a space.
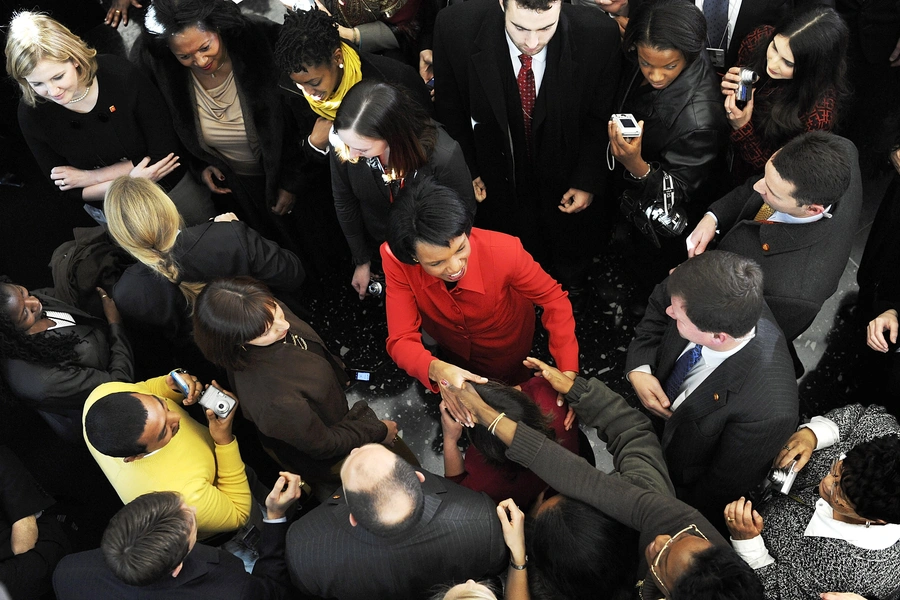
pixel 818 39
pixel 38 348
pixel 381 111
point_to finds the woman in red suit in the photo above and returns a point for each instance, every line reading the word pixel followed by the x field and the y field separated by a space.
pixel 472 290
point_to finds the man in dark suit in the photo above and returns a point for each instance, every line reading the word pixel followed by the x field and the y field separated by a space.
pixel 709 359
pixel 150 550
pixel 526 88
pixel 392 532
pixel 810 198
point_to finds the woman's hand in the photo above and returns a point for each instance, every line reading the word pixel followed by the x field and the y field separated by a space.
pixel 628 151
pixel 362 275
pixel 743 522
pixel 886 321
pixel 441 371
pixel 799 447
pixel 212 174
pixel 737 117
pixel 69 178
pixel 512 521
pixel 318 137
pixel 110 311
pixel 558 380
pixel 451 428
pixel 118 11
pixel 840 596
pixel 157 170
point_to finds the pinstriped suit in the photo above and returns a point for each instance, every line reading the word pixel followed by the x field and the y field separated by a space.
pixel 458 538
pixel 721 440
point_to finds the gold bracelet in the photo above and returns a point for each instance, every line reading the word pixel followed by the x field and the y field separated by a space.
pixel 493 426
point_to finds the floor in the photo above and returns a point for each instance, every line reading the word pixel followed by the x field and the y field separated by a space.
pixel 34 220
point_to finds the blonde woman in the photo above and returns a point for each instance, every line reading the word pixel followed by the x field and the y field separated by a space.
pixel 175 261
pixel 89 119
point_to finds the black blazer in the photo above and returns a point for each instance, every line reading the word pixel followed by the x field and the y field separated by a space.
pixel 458 538
pixel 802 264
pixel 721 440
pixel 472 69
pixel 204 252
pixel 207 573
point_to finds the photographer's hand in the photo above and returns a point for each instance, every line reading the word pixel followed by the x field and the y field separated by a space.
pixel 737 117
pixel 362 275
pixel 743 522
pixel 220 429
pixel 799 447
pixel 628 151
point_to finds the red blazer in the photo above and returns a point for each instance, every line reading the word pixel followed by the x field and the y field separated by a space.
pixel 486 323
pixel 517 482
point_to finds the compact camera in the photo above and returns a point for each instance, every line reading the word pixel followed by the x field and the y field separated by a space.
pixel 627 125
pixel 217 401
pixel 656 217
pixel 212 397
pixel 744 91
pixel 778 480
pixel 375 288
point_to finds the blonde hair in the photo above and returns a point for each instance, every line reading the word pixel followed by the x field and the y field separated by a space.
pixel 33 37
pixel 144 221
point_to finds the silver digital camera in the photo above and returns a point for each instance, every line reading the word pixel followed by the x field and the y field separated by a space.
pixel 628 125
pixel 783 479
pixel 217 401
pixel 744 91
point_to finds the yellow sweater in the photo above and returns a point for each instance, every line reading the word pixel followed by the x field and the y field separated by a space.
pixel 210 477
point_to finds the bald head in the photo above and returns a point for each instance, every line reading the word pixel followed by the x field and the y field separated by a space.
pixel 383 492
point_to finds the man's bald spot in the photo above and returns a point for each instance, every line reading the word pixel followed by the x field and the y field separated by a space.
pixel 370 470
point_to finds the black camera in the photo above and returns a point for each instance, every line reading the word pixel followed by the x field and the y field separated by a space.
pixel 656 216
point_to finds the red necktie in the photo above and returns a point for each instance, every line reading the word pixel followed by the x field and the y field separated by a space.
pixel 525 79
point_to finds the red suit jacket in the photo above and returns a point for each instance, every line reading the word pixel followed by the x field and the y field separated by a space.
pixel 486 323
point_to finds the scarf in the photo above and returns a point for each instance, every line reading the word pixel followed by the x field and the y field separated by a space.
pixel 352 76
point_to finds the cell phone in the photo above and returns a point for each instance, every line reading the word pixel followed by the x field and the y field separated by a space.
pixel 180 381
pixel 430 83
pixel 356 375
pixel 217 401
pixel 627 125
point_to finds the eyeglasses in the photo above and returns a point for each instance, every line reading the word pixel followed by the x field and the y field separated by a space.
pixel 689 530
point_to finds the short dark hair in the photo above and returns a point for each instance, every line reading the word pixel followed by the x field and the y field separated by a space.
pixel 517 406
pixel 308 38
pixel 228 313
pixel 165 18
pixel 536 5
pixel 718 573
pixel 381 111
pixel 576 551
pixel 148 538
pixel 870 478
pixel 428 212
pixel 817 164
pixel 115 423
pixel 365 505
pixel 667 25
pixel 721 291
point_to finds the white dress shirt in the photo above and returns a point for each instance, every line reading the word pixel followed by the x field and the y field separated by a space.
pixel 538 64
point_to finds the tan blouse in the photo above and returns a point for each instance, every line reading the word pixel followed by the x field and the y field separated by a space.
pixel 222 126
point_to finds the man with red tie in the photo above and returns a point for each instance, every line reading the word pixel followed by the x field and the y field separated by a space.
pixel 526 87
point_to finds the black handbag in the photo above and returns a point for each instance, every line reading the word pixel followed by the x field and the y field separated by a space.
pixel 655 213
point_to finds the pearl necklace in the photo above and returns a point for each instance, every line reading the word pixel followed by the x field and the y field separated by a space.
pixel 81 97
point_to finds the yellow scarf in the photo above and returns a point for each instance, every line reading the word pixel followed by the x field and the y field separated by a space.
pixel 352 75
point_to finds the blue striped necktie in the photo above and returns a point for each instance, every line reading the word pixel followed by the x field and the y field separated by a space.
pixel 682 367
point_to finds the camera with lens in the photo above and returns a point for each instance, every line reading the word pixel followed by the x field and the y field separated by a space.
pixel 744 91
pixel 656 216
pixel 779 480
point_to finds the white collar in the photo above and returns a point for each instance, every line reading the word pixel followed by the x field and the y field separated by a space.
pixel 875 537
pixel 514 53
pixel 780 217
